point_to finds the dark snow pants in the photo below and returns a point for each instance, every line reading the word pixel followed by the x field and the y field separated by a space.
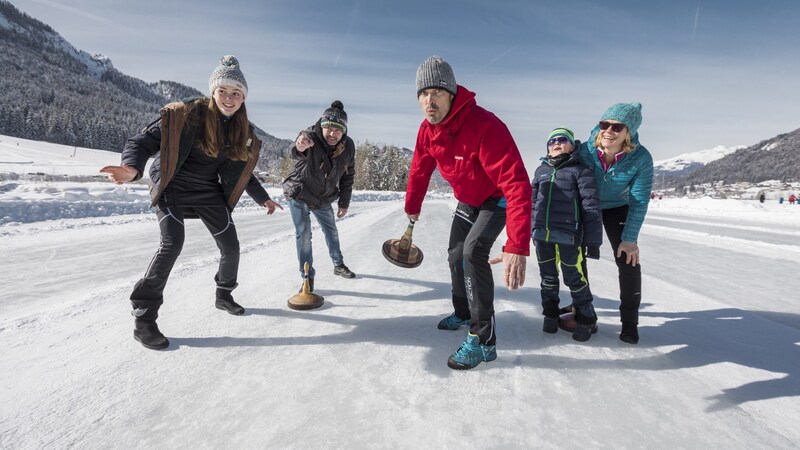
pixel 148 292
pixel 472 235
pixel 630 277
pixel 570 259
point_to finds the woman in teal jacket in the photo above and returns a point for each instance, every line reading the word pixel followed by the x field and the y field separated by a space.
pixel 623 169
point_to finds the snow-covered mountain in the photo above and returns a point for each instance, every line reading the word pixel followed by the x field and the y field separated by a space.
pixel 77 99
pixel 689 162
pixel 15 23
pixel 771 159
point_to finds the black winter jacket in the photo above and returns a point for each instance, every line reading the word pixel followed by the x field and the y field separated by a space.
pixel 566 206
pixel 322 173
pixel 172 138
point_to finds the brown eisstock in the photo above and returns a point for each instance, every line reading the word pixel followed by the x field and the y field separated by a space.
pixel 402 252
pixel 305 299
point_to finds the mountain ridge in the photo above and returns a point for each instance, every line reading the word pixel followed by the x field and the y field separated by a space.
pixel 53 92
pixel 771 159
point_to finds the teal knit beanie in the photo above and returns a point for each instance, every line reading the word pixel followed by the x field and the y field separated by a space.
pixel 628 113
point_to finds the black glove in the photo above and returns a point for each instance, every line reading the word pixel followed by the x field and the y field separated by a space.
pixel 592 251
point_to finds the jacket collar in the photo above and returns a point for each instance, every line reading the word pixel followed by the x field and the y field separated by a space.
pixel 462 103
pixel 573 159
pixel 332 150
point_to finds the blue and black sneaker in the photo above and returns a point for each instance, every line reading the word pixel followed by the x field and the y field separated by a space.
pixel 471 353
pixel 452 322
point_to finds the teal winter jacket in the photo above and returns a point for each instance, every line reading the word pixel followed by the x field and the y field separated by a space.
pixel 627 182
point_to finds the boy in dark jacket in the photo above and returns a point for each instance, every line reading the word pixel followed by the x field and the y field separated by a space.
pixel 567 222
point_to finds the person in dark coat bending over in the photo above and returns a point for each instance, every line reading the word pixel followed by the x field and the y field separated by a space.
pixel 324 169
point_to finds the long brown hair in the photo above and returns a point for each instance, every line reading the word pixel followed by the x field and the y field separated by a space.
pixel 238 133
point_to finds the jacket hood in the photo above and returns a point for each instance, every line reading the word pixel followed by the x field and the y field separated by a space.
pixel 464 100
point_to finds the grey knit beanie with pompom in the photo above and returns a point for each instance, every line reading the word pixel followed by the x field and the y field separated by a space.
pixel 227 73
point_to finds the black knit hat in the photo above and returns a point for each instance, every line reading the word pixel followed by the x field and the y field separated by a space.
pixel 334 117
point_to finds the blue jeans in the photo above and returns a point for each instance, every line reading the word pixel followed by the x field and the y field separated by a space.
pixel 301 216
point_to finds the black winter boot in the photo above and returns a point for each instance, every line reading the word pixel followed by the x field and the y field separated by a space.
pixel 584 331
pixel 586 325
pixel 145 329
pixel 225 302
pixel 550 324
pixel 148 334
pixel 629 333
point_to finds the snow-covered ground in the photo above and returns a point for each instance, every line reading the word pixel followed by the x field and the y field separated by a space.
pixel 718 365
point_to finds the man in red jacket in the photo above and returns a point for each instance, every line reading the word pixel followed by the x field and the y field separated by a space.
pixel 476 154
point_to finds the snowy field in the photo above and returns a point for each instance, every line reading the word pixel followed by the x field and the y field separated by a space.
pixel 718 364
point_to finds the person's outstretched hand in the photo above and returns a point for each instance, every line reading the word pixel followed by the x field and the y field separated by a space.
pixel 514 269
pixel 120 174
pixel 270 205
pixel 303 142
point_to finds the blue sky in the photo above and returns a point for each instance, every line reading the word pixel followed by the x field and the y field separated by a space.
pixel 707 72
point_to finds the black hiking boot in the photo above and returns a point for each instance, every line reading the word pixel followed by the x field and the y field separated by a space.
pixel 148 334
pixel 343 271
pixel 225 302
pixel 629 333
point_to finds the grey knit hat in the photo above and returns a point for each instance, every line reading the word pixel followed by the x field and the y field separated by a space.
pixel 227 73
pixel 436 73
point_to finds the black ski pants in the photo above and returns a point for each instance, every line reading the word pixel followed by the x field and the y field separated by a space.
pixel 570 259
pixel 148 292
pixel 630 277
pixel 472 235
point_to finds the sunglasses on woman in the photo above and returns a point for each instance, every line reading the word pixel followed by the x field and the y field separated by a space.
pixel 557 140
pixel 615 127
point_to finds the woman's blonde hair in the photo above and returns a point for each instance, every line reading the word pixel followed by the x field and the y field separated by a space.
pixel 238 133
pixel 627 146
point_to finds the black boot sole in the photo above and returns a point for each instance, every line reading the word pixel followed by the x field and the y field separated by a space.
pixel 152 347
pixel 458 366
pixel 580 339
pixel 233 313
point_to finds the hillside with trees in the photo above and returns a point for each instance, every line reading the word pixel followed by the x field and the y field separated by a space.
pixel 52 92
pixel 771 159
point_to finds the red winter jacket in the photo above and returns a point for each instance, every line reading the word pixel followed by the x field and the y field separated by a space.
pixel 476 154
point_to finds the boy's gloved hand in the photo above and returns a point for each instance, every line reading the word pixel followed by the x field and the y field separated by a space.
pixel 592 251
